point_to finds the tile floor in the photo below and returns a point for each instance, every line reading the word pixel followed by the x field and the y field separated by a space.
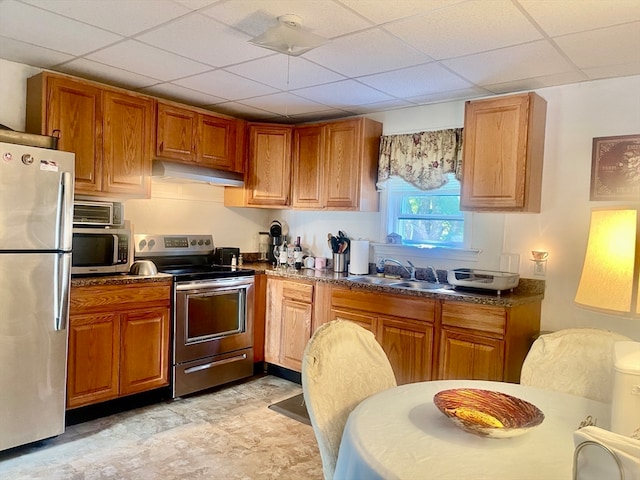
pixel 227 434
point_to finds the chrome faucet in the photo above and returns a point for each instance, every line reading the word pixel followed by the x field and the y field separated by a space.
pixel 435 273
pixel 411 269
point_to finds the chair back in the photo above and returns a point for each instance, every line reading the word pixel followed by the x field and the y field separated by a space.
pixel 578 361
pixel 342 365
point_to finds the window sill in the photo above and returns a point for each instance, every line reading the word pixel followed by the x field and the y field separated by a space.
pixel 440 253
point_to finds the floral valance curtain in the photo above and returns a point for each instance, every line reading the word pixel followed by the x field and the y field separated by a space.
pixel 422 159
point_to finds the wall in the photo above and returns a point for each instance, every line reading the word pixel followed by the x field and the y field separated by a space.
pixel 576 114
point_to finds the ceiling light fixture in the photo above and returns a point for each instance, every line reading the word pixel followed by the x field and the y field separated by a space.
pixel 289 37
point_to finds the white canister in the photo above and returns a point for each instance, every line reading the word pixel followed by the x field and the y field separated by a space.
pixel 309 262
pixel 359 258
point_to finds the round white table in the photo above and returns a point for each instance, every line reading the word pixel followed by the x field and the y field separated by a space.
pixel 400 434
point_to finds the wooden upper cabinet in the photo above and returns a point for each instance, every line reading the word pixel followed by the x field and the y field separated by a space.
pixel 335 165
pixel 109 130
pixel 176 133
pixel 189 135
pixel 308 167
pixel 269 166
pixel 128 130
pixel 62 106
pixel 503 153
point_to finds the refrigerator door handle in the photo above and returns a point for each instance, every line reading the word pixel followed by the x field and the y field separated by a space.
pixel 62 291
pixel 64 223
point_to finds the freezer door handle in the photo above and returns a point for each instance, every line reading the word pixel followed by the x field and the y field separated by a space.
pixel 64 224
pixel 62 291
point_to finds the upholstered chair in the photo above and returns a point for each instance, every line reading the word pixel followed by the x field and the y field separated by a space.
pixel 342 365
pixel 578 361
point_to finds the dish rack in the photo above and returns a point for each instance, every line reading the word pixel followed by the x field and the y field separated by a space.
pixel 483 279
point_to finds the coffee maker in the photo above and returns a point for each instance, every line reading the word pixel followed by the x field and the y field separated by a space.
pixel 276 238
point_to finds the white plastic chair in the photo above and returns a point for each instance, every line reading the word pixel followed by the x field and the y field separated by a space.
pixel 578 361
pixel 342 365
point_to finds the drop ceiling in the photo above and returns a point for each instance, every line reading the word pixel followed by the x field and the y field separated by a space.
pixel 382 54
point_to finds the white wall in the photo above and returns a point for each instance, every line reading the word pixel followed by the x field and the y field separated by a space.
pixel 576 113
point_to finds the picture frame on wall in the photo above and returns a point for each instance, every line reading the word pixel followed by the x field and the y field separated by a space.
pixel 615 168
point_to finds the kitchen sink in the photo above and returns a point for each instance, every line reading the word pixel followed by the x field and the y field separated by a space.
pixel 416 285
pixel 372 280
pixel 396 283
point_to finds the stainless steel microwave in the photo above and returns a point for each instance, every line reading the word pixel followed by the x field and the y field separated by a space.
pixel 101 250
pixel 98 213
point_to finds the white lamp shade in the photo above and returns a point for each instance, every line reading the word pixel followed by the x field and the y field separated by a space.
pixel 611 271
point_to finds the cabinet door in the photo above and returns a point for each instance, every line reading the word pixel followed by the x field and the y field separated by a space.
pixel 128 133
pixel 93 358
pixel 308 171
pixel 296 332
pixel 468 356
pixel 269 175
pixel 366 321
pixel 502 155
pixel 144 350
pixel 343 150
pixel 216 142
pixel 409 347
pixel 176 133
pixel 75 109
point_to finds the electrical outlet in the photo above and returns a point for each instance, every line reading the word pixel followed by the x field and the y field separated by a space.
pixel 540 268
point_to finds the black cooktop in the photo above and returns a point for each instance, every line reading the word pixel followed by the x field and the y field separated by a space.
pixel 206 272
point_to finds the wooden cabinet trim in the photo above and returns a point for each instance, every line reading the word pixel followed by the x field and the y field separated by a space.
pixel 387 304
pixel 482 318
pixel 118 298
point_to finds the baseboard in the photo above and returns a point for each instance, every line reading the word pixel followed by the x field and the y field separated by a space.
pixel 278 371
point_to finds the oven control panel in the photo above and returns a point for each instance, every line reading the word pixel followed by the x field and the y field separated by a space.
pixel 148 245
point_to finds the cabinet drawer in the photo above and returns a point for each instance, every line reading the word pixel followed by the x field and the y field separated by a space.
pixel 474 317
pixel 422 309
pixel 302 292
pixel 118 297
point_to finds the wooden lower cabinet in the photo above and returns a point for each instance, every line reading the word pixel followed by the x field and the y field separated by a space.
pixel 485 342
pixel 403 326
pixel 288 322
pixel 118 341
pixel 424 338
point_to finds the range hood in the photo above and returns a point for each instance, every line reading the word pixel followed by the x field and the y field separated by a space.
pixel 180 172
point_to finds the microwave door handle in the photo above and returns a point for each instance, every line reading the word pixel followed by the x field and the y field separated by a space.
pixel 64 222
pixel 115 249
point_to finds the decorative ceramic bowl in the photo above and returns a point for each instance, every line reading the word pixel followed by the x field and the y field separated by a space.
pixel 487 413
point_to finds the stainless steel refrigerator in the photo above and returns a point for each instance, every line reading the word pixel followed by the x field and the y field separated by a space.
pixel 36 216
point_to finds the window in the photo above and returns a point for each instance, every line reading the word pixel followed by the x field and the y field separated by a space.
pixel 430 217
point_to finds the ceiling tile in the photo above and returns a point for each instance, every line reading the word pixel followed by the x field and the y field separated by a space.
pixel 202 39
pixel 226 85
pixel 274 71
pixel 406 8
pixel 354 56
pixel 612 71
pixel 123 17
pixel 379 106
pixel 61 34
pixel 507 64
pixel 446 96
pixel 244 111
pixel 466 28
pixel 182 94
pixel 537 82
pixel 22 52
pixel 603 47
pixel 343 94
pixel 104 73
pixel 322 17
pixel 285 104
pixel 157 63
pixel 414 81
pixel 559 17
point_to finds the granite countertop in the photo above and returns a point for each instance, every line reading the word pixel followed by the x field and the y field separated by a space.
pixel 528 290
pixel 123 279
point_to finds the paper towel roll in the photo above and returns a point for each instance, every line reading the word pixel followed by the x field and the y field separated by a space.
pixel 359 258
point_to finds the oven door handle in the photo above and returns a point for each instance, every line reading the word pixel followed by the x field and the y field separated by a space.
pixel 215 284
pixel 206 366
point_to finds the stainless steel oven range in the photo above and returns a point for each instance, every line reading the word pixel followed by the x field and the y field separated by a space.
pixel 212 311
